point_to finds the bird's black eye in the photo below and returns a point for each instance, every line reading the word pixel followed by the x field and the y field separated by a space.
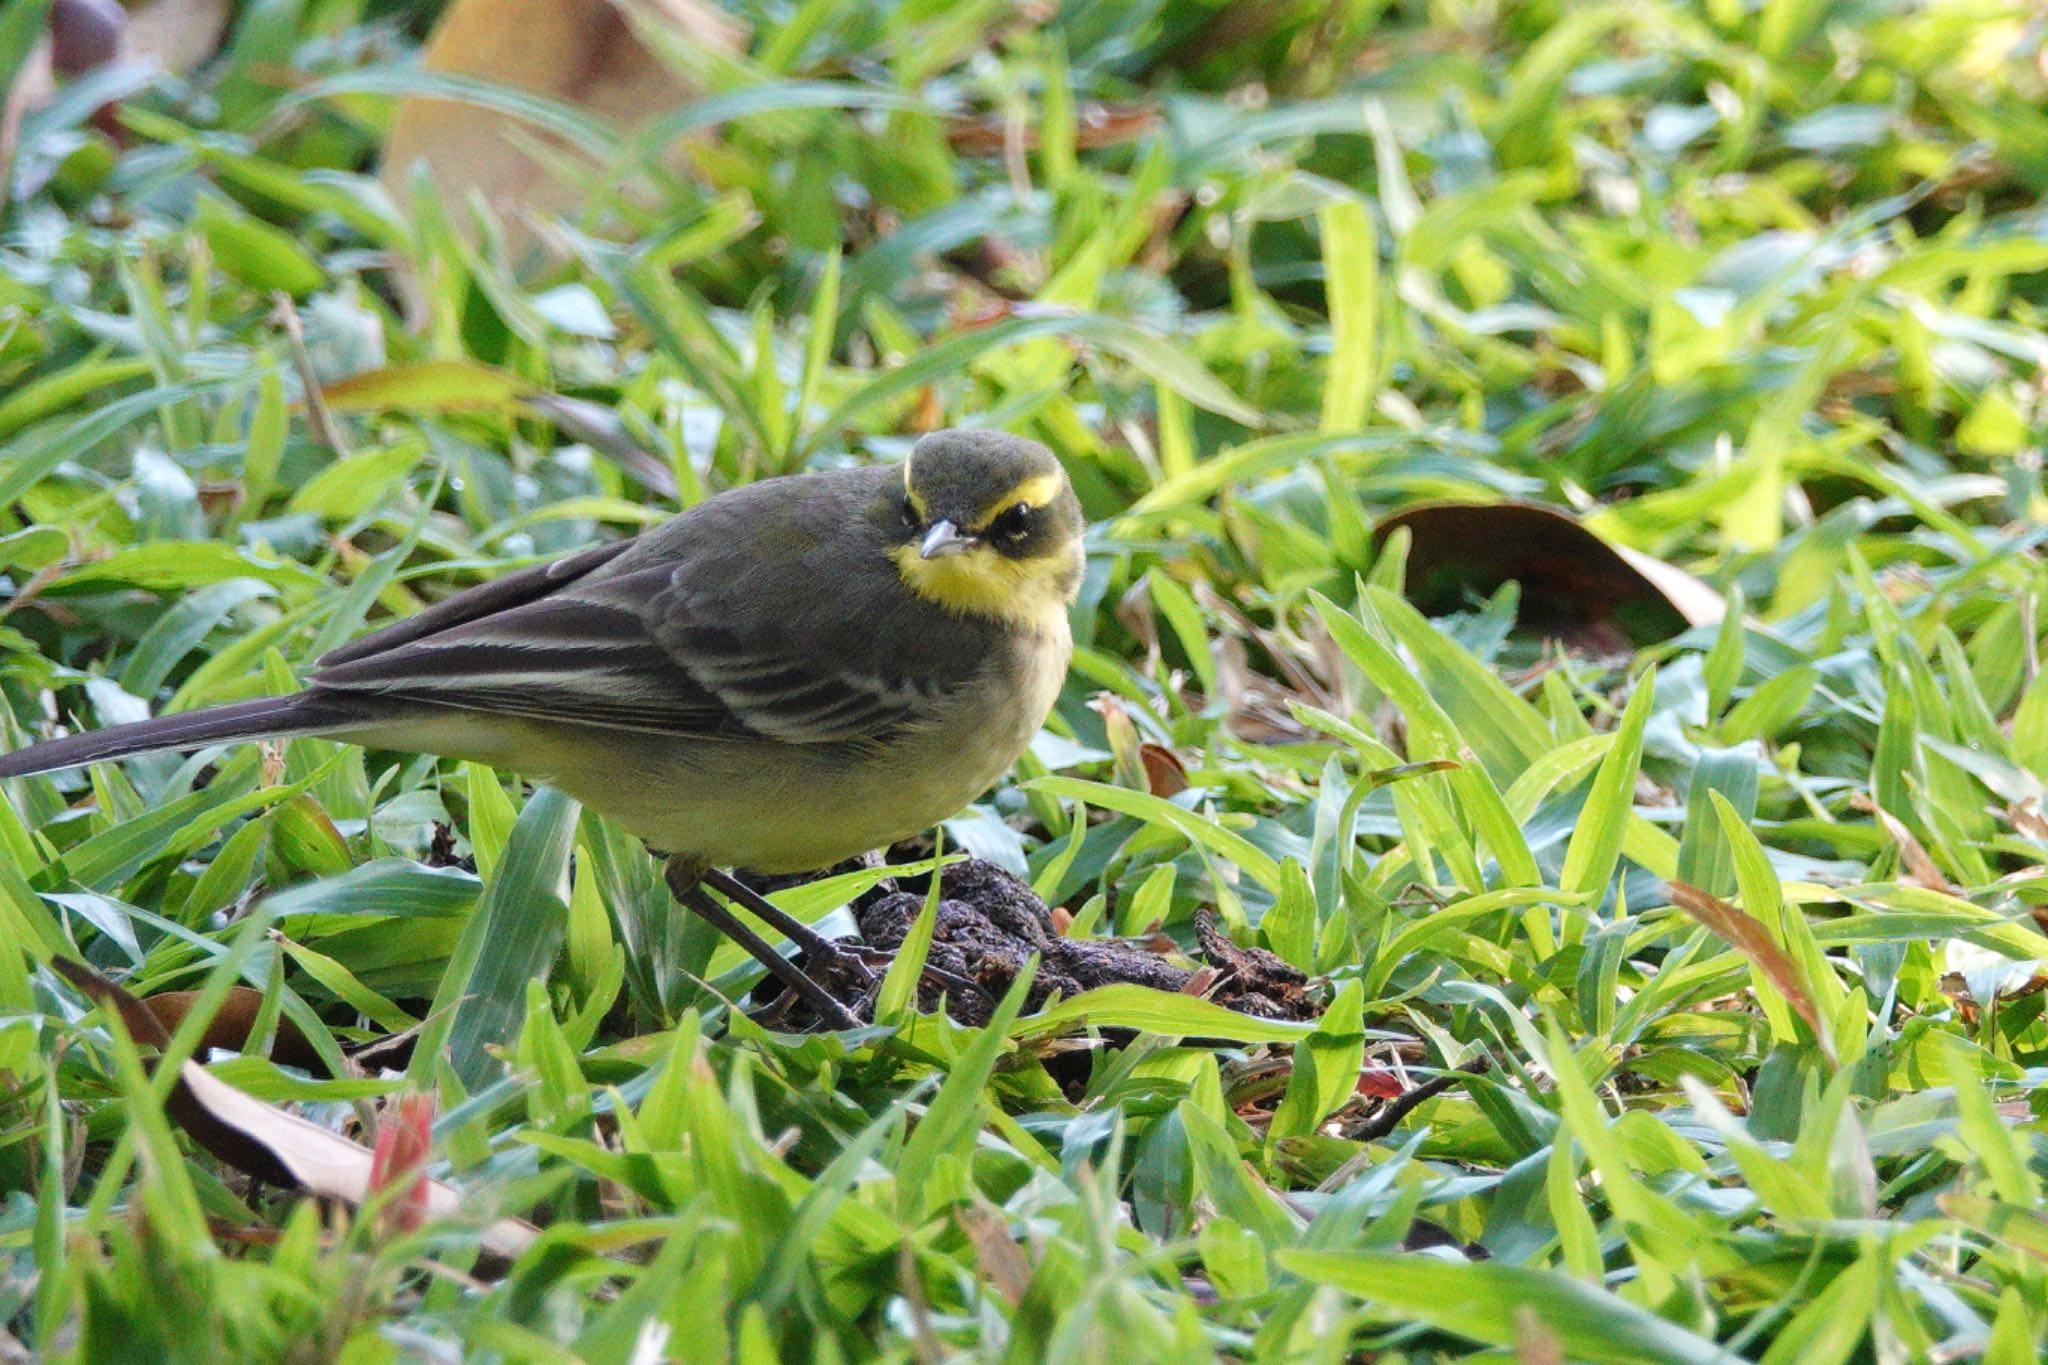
pixel 1013 524
pixel 910 517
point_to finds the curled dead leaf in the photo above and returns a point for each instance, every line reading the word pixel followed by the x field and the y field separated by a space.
pixel 268 1143
pixel 1572 580
pixel 232 1023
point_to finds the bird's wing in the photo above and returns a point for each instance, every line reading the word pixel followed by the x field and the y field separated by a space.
pixel 500 594
pixel 627 651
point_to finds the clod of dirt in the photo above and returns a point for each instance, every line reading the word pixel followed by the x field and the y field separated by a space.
pixel 989 924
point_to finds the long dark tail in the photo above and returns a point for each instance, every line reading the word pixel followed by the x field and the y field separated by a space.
pixel 300 714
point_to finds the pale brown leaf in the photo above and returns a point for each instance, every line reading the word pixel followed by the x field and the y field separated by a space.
pixel 581 52
pixel 327 1164
pixel 1003 1262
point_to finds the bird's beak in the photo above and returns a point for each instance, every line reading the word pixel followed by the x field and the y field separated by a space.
pixel 944 538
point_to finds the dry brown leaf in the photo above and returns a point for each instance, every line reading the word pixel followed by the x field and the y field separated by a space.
pixel 1747 935
pixel 1165 774
pixel 1921 869
pixel 327 1164
pixel 581 52
pixel 1096 125
pixel 1002 1260
pixel 1571 579
pixel 229 1028
pixel 266 1142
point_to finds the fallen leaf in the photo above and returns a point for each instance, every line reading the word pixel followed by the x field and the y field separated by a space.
pixel 1571 579
pixel 229 1028
pixel 579 52
pixel 274 1146
pixel 325 1163
pixel 1165 774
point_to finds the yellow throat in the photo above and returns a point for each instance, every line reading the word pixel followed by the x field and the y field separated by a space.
pixel 1028 594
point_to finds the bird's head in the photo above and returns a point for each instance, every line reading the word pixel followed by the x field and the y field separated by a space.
pixel 989 527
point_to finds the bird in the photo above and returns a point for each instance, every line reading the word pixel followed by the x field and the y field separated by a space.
pixel 784 676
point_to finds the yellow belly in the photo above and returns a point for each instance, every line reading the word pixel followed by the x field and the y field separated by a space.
pixel 758 804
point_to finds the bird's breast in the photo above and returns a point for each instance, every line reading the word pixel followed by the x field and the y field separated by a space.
pixel 797 808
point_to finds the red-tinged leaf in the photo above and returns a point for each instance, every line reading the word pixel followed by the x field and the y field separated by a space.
pixel 1379 1083
pixel 405 1134
pixel 1748 936
pixel 84 34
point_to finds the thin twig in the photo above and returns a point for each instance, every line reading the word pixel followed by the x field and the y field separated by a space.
pixel 1398 1108
pixel 286 314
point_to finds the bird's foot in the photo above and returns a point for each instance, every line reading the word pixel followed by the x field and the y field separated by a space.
pixel 687 878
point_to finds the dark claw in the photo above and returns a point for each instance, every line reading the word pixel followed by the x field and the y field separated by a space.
pixel 685 879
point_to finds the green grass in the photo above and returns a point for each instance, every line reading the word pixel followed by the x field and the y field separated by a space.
pixel 1757 288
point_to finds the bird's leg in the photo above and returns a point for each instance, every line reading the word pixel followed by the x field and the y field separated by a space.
pixel 815 945
pixel 685 877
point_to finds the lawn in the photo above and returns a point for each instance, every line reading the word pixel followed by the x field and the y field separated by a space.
pixel 1675 948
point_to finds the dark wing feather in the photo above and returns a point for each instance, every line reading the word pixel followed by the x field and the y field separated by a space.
pixel 618 651
pixel 500 594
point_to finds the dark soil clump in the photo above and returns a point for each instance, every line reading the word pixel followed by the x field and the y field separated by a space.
pixel 988 926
